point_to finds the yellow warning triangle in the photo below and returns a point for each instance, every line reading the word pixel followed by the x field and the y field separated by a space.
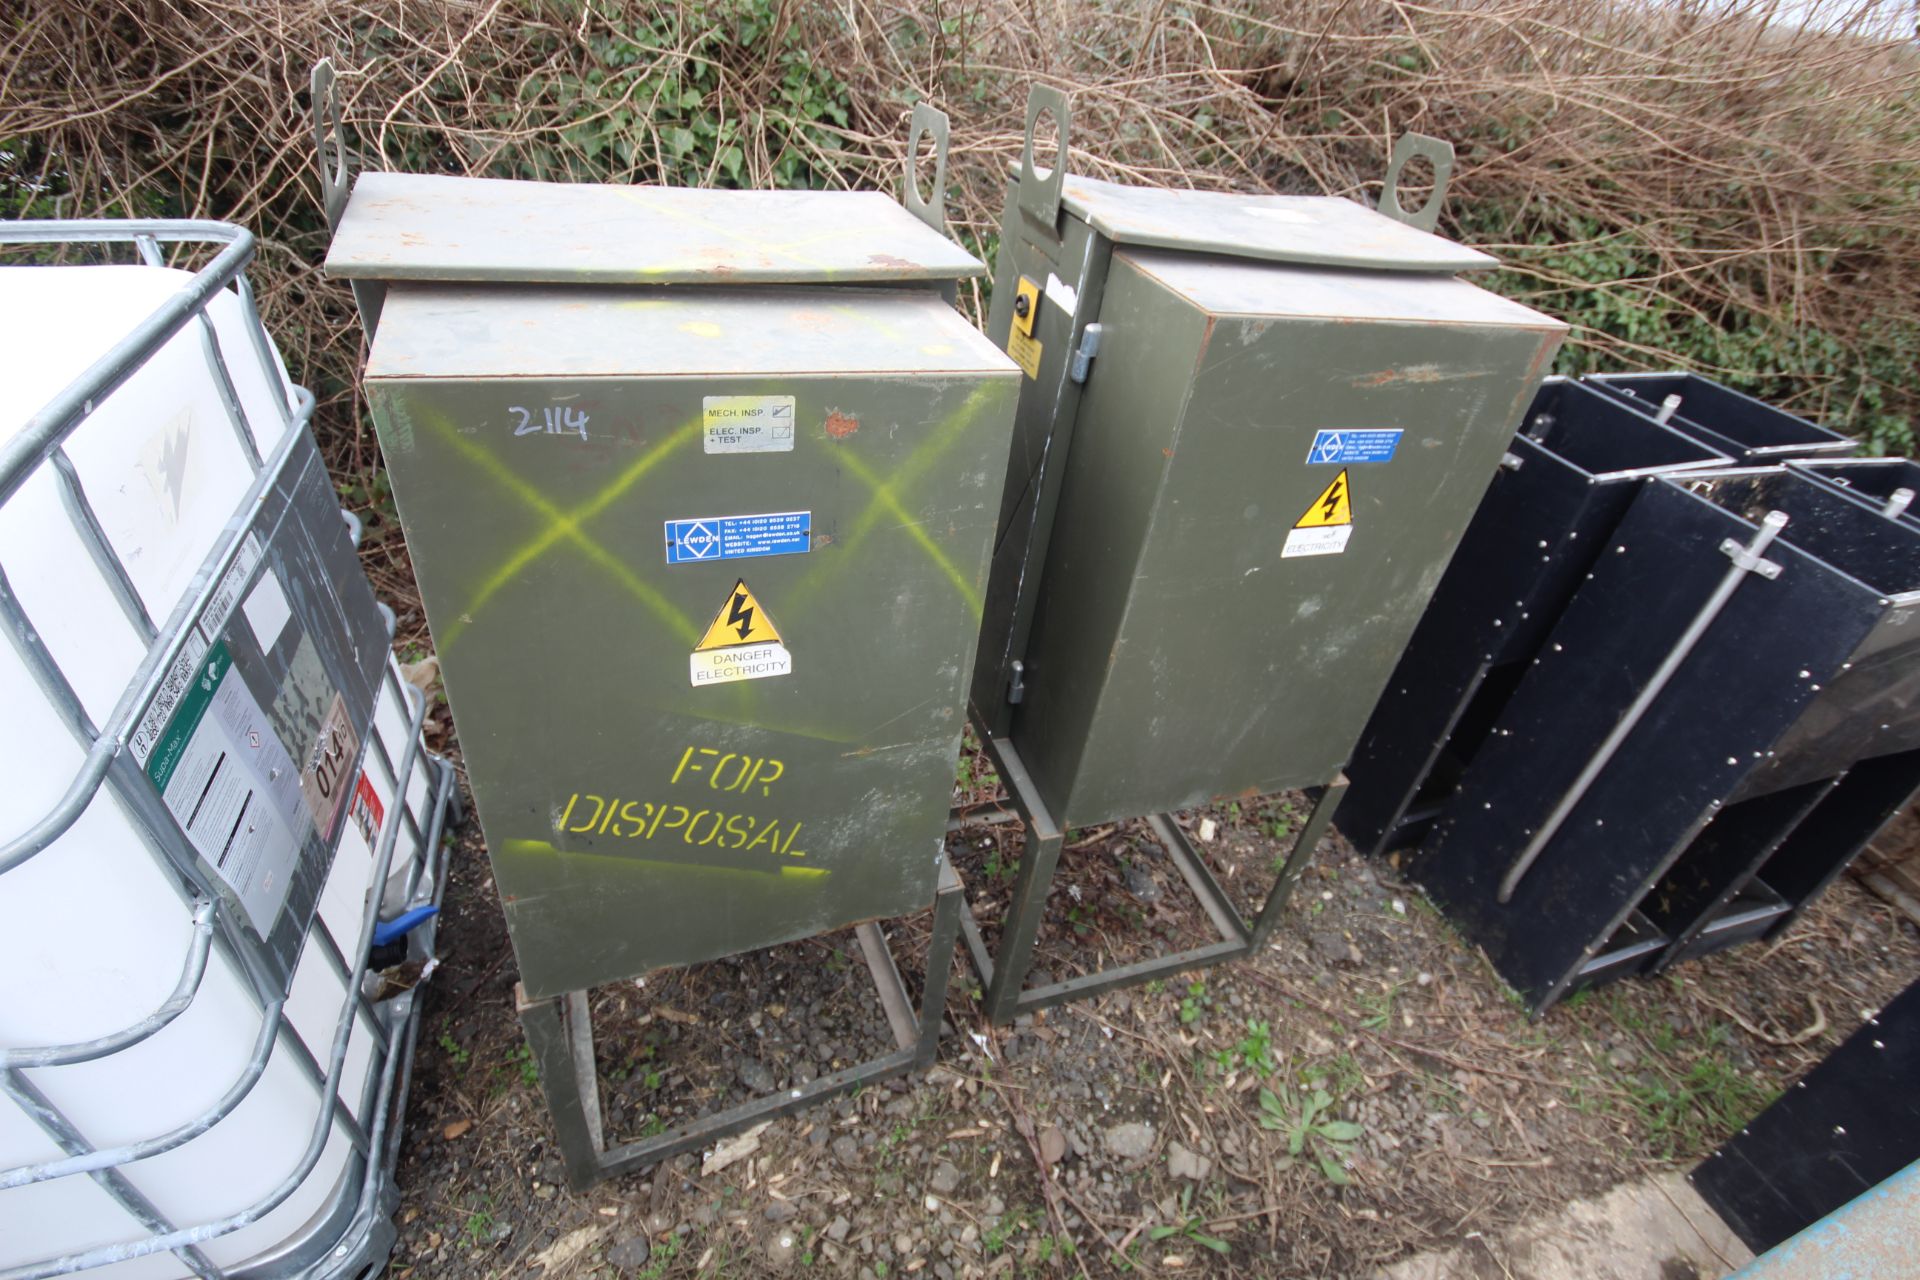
pixel 741 620
pixel 1333 506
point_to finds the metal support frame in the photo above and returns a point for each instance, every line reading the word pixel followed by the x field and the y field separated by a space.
pixel 1005 975
pixel 357 1202
pixel 559 1030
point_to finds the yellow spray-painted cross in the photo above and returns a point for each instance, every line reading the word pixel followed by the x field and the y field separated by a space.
pixel 568 526
pixel 884 502
pixel 565 526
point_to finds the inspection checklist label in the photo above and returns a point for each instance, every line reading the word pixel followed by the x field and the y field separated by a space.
pixel 747 424
pixel 781 533
pixel 1371 445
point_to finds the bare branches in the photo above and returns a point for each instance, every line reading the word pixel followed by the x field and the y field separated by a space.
pixel 1689 163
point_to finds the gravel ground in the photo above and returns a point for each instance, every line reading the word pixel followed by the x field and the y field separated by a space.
pixel 1363 1090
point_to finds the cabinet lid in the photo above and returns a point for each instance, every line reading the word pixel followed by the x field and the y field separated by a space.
pixel 1325 231
pixel 460 330
pixel 400 226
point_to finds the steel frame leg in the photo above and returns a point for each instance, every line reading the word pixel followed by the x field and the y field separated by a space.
pixel 1005 975
pixel 559 1030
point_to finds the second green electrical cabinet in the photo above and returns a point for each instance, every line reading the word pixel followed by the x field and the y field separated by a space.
pixel 1251 432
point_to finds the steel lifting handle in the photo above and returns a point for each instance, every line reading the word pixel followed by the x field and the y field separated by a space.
pixel 1409 147
pixel 928 121
pixel 334 178
pixel 1039 196
pixel 1746 559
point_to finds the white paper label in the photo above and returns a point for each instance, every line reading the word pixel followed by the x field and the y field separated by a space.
pixel 267 610
pixel 1061 294
pixel 1326 540
pixel 748 424
pixel 742 662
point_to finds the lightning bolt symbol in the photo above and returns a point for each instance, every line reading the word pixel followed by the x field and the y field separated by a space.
pixel 739 616
pixel 1332 499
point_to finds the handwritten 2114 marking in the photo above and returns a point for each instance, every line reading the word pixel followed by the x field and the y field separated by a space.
pixel 554 420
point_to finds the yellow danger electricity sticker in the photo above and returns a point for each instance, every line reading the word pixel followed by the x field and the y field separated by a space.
pixel 1325 526
pixel 741 644
pixel 1025 350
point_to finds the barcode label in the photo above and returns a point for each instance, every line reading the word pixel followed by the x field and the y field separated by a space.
pixel 173 686
pixel 227 596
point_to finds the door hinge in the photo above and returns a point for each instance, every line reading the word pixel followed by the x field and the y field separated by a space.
pixel 1089 348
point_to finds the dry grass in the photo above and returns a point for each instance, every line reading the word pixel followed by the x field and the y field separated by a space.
pixel 1685 183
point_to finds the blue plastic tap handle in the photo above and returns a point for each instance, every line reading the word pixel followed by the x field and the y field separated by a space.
pixel 398 927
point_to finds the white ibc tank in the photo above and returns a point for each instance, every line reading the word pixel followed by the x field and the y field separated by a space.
pixel 96 929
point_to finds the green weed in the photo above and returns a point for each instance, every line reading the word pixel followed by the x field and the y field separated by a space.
pixel 1309 1129
pixel 1189 1227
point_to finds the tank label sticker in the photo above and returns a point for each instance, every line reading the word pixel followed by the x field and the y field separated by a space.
pixel 741 644
pixel 1374 445
pixel 1327 524
pixel 781 533
pixel 231 786
pixel 327 777
pixel 367 813
pixel 748 424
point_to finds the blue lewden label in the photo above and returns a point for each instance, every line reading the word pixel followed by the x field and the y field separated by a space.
pixel 780 533
pixel 1365 445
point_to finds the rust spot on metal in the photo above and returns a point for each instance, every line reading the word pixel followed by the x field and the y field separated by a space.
pixel 1416 374
pixel 841 425
pixel 891 261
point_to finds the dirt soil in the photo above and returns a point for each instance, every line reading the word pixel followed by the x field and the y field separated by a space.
pixel 1364 1090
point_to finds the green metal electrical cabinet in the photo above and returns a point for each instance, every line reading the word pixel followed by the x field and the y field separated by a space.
pixel 1251 431
pixel 703 535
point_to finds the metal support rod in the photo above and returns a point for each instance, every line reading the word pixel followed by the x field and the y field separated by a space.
pixel 1297 859
pixel 560 1037
pixel 229 394
pixel 443 797
pixel 192 969
pixel 1746 560
pixel 271 1022
pixel 1005 975
pixel 1668 407
pixel 57 420
pixel 1037 864
pixel 35 1105
pixel 329 1112
pixel 103 746
pixel 42 442
pixel 1186 860
pixel 80 514
pixel 886 980
pixel 1897 503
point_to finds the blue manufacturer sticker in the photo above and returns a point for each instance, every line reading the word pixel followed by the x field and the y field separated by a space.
pixel 1342 447
pixel 784 533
